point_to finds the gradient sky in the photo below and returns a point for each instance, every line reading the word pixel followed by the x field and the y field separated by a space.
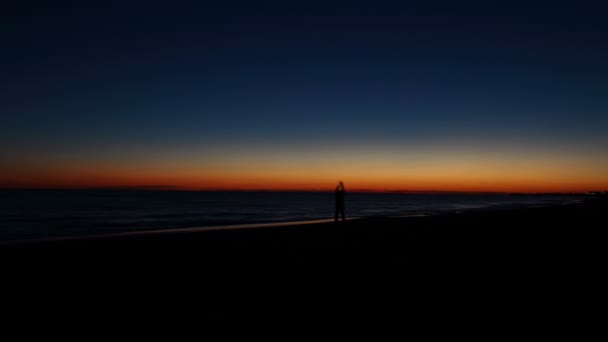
pixel 433 95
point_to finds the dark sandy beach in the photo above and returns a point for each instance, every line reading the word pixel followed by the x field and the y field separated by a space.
pixel 541 258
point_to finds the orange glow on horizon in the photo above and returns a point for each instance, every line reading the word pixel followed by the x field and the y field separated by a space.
pixel 474 172
pixel 319 182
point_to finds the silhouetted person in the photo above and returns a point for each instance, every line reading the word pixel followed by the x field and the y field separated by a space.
pixel 340 201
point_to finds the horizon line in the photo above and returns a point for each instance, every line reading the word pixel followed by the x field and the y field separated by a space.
pixel 186 189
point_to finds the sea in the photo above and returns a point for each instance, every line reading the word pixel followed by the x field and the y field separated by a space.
pixel 40 214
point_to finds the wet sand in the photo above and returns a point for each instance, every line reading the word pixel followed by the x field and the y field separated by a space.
pixel 488 259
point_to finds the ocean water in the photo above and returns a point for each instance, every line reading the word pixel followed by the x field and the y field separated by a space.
pixel 32 214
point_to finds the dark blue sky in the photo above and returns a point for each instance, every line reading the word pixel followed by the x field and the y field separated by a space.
pixel 112 80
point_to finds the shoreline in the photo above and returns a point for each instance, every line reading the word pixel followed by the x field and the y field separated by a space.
pixel 169 231
pixel 303 236
pixel 266 225
pixel 311 233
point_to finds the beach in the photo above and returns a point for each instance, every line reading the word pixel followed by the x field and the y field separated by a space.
pixel 548 260
pixel 553 236
pixel 506 234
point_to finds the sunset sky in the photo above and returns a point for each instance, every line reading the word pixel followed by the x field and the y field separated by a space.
pixel 429 95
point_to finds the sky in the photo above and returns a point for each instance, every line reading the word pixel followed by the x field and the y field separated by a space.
pixel 429 95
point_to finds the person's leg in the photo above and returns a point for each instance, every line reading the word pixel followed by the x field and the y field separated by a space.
pixel 343 215
pixel 336 217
